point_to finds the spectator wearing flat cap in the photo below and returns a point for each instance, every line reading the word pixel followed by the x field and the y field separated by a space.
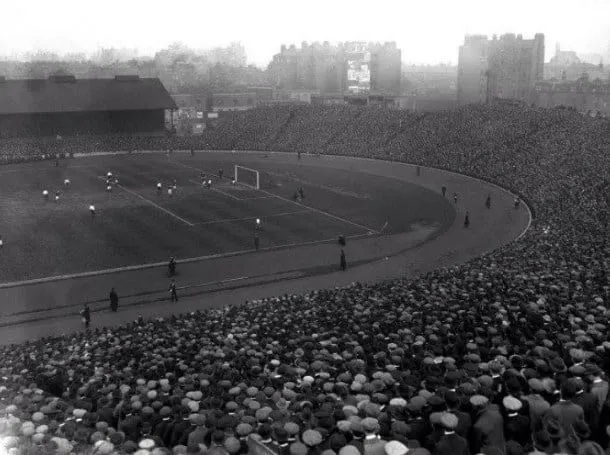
pixel 179 427
pixel 419 426
pixel 132 424
pixel 163 427
pixel 265 431
pixel 464 421
pixel 514 387
pixel 217 444
pixel 280 444
pixel 516 426
pixel 565 411
pixel 537 404
pixel 588 402
pixel 450 442
pixel 197 435
pixel 372 444
pixel 599 386
pixel 358 437
pixel 437 431
pixel 488 427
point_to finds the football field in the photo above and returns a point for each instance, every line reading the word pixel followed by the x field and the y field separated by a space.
pixel 135 224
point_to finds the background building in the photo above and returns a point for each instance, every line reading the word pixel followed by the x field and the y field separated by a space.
pixel 223 102
pixel 567 66
pixel 507 67
pixel 351 67
pixel 587 97
pixel 64 105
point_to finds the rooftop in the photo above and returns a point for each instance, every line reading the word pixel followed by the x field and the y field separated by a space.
pixel 68 94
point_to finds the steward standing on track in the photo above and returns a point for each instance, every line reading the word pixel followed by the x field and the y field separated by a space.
pixel 172 291
pixel 86 315
pixel 171 266
pixel 114 300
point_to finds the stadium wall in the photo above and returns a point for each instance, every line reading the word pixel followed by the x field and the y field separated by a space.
pixel 83 123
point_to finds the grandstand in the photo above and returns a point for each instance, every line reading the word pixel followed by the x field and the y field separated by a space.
pixel 507 353
pixel 66 106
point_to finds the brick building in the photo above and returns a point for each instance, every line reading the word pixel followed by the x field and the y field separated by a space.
pixel 507 67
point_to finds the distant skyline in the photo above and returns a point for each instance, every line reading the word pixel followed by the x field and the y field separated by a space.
pixel 427 32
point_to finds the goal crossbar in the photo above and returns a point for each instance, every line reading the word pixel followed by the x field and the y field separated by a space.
pixel 241 170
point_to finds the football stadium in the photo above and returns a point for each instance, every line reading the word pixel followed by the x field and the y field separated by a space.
pixel 300 279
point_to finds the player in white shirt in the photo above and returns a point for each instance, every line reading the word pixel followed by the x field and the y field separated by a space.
pixel 159 187
pixel 174 185
pixel 57 196
pixel 92 210
pixel 109 174
pixel 1 243
pixel 67 182
pixel 45 194
pixel 109 188
pixel 170 191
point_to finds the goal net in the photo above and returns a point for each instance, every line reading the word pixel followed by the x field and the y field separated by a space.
pixel 247 177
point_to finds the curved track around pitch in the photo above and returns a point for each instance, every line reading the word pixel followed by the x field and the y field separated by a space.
pixel 379 257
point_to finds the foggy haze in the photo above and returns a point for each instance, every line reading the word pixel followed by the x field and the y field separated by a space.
pixel 427 32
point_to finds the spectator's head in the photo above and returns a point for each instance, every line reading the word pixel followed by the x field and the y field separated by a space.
pixel 542 441
pixel 569 389
pixel 590 448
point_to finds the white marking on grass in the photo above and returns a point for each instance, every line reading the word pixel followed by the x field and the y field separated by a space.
pixel 211 283
pixel 228 220
pixel 154 204
pixel 232 196
pixel 164 263
pixel 370 230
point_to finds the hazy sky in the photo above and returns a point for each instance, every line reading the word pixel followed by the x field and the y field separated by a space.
pixel 427 31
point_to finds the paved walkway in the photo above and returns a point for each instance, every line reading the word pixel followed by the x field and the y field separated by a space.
pixel 51 308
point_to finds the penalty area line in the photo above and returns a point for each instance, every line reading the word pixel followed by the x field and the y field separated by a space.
pixel 154 204
pixel 179 218
pixel 262 217
pixel 231 195
pixel 369 230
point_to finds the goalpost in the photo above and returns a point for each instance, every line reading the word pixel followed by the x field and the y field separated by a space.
pixel 247 177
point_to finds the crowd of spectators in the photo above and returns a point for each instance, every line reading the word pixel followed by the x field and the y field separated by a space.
pixel 506 354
